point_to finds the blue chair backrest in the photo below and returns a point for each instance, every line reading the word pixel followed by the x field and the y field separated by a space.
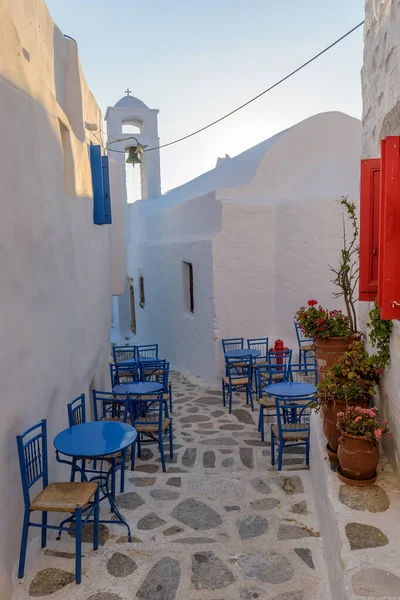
pixel 303 373
pixel 32 454
pixel 147 351
pixel 280 357
pixel 238 368
pixel 77 411
pixel 289 412
pixel 124 373
pixel 270 374
pixel 122 353
pixel 155 370
pixel 260 344
pixel 147 410
pixel 232 344
pixel 109 407
pixel 300 334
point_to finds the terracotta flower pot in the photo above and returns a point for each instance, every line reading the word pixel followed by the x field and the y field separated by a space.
pixel 358 457
pixel 328 351
pixel 330 412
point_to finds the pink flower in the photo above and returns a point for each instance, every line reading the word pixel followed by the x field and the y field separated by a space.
pixel 378 433
pixel 358 419
pixel 340 414
pixel 312 302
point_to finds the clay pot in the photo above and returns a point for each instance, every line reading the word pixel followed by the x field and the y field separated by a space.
pixel 330 412
pixel 328 351
pixel 358 457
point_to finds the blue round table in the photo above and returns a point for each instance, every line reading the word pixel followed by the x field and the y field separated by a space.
pixel 290 389
pixel 243 353
pixel 96 440
pixel 138 388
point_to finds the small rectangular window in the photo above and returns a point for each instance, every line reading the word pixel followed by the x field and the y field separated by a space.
pixel 141 288
pixel 132 305
pixel 188 283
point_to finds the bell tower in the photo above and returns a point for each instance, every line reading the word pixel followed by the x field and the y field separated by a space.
pixel 129 113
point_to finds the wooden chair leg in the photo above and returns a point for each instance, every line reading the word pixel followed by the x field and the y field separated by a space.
pixel 96 518
pixel 162 455
pixel 272 448
pixel 24 543
pixel 44 530
pixel 171 442
pixel 262 423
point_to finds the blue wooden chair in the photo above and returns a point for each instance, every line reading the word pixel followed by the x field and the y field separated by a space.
pixel 238 378
pixel 303 373
pixel 268 375
pixel 260 344
pixel 150 418
pixel 120 373
pixel 232 344
pixel 158 370
pixel 77 411
pixel 292 428
pixel 72 497
pixel 112 407
pixel 306 346
pixel 147 351
pixel 123 353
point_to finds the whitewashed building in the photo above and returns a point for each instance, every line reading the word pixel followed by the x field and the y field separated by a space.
pixel 58 268
pixel 381 118
pixel 235 251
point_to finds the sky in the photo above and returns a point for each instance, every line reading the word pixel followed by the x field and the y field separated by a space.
pixel 195 61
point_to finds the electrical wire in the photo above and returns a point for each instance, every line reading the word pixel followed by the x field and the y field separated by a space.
pixel 189 135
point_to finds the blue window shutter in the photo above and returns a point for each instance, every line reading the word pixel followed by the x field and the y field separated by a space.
pixel 97 183
pixel 106 190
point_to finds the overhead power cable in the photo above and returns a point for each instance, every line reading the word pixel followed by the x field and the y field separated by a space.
pixel 235 110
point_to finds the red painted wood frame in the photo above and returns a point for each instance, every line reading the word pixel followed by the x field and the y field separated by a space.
pixel 369 228
pixel 389 230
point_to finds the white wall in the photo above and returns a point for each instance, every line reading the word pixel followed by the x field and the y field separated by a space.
pixel 381 117
pixel 55 293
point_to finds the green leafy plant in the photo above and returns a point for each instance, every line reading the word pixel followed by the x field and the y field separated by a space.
pixel 316 321
pixel 347 273
pixel 352 379
pixel 362 422
pixel 379 335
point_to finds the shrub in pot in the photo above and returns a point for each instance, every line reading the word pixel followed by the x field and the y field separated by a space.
pixel 330 330
pixel 349 382
pixel 358 451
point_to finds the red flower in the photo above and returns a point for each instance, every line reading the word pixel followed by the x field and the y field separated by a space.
pixel 312 302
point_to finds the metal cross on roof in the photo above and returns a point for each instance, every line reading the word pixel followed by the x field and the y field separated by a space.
pixel 128 91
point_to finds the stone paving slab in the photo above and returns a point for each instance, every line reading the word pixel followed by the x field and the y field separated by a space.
pixel 221 524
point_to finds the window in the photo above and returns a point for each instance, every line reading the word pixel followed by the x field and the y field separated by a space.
pixel 132 304
pixel 101 187
pixel 141 288
pixel 188 286
pixel 131 127
pixel 369 228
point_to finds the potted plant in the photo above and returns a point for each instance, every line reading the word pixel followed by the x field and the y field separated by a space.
pixel 358 451
pixel 330 330
pixel 349 382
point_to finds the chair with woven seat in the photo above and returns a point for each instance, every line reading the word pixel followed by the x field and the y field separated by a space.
pixel 108 406
pixel 292 428
pixel 121 373
pixel 77 411
pixel 232 344
pixel 68 497
pixel 157 370
pixel 147 351
pixel 260 344
pixel 150 418
pixel 238 376
pixel 306 346
pixel 303 373
pixel 124 353
pixel 268 374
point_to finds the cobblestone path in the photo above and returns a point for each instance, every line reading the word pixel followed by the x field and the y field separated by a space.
pixel 221 524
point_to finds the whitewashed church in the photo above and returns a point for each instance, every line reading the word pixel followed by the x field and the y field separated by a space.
pixel 234 252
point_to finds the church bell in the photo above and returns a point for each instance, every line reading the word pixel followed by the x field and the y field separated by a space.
pixel 133 157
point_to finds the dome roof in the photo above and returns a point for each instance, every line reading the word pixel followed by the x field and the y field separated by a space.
pixel 130 102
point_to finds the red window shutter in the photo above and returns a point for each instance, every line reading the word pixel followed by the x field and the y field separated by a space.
pixel 389 230
pixel 369 227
